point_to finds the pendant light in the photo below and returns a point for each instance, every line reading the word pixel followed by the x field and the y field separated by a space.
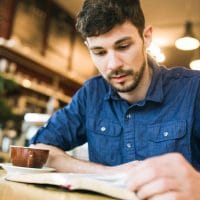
pixel 195 62
pixel 188 41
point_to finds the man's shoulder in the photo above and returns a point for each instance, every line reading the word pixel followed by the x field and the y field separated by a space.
pixel 180 72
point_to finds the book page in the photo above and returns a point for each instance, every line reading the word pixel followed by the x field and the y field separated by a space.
pixel 111 185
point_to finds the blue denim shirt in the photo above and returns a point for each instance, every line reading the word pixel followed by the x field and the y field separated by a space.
pixel 167 120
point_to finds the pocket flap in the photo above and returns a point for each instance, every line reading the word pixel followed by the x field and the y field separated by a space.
pixel 167 131
pixel 104 127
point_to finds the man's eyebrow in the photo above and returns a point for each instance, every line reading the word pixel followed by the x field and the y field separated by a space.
pixel 127 38
pixel 95 48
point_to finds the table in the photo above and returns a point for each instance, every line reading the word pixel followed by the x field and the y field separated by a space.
pixel 12 191
pixel 4 157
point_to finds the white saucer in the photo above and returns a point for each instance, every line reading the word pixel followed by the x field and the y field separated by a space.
pixel 11 169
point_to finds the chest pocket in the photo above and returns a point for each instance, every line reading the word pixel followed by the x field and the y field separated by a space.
pixel 104 141
pixel 157 139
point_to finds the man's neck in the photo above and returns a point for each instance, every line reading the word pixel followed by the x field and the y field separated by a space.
pixel 140 91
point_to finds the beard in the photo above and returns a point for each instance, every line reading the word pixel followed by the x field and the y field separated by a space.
pixel 136 78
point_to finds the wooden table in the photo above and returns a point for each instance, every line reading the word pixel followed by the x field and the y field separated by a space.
pixel 12 191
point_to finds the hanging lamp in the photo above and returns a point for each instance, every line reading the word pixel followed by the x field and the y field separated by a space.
pixel 188 41
pixel 195 62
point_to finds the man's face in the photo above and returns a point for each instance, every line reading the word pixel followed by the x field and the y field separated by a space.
pixel 119 56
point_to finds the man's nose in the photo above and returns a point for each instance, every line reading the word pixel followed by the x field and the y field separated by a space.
pixel 114 62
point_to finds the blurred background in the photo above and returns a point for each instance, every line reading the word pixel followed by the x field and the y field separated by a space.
pixel 43 60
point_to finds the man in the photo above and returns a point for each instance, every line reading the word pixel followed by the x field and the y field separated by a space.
pixel 134 110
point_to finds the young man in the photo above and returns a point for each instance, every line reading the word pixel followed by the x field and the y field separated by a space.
pixel 134 110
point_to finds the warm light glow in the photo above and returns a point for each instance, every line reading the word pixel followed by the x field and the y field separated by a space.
pixel 156 53
pixel 195 64
pixel 11 43
pixel 26 83
pixel 2 41
pixel 187 43
pixel 160 58
pixel 36 117
pixel 161 41
pixel 154 49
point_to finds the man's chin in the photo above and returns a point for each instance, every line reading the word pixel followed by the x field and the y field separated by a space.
pixel 124 89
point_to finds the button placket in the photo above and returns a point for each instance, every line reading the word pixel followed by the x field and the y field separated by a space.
pixel 129 131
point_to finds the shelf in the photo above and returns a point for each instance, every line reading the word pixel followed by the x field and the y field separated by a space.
pixel 38 63
pixel 45 79
pixel 38 88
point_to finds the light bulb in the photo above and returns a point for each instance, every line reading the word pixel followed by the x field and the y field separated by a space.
pixel 195 64
pixel 187 43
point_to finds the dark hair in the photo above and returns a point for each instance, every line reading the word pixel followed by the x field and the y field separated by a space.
pixel 100 16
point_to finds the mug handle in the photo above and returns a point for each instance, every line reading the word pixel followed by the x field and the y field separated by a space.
pixel 30 159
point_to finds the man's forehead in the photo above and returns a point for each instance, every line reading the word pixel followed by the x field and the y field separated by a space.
pixel 117 34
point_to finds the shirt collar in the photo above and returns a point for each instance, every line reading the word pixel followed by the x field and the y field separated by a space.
pixel 111 94
pixel 155 91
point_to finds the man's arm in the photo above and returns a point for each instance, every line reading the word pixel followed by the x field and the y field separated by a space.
pixel 63 162
pixel 165 177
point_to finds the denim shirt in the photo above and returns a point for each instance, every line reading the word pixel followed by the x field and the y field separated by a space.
pixel 167 120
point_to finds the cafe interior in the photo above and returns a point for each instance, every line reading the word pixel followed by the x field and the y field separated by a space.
pixel 43 60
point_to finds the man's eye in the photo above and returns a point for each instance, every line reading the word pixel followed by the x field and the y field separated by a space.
pixel 123 46
pixel 99 53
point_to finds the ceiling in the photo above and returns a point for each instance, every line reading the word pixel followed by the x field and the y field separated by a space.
pixel 167 18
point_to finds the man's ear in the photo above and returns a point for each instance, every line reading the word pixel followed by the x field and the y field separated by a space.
pixel 147 35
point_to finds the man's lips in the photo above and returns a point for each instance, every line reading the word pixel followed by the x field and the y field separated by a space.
pixel 119 78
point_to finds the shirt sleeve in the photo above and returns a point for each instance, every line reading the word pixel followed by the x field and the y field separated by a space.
pixel 66 128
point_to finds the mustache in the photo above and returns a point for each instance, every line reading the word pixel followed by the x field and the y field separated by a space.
pixel 119 72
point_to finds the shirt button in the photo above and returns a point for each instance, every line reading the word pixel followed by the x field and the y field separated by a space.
pixel 129 145
pixel 128 116
pixel 103 128
pixel 166 134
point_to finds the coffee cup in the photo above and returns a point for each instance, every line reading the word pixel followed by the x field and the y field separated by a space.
pixel 28 157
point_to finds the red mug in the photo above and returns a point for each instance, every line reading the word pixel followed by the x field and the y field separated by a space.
pixel 28 157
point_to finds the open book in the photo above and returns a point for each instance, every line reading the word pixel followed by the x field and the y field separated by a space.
pixel 111 185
